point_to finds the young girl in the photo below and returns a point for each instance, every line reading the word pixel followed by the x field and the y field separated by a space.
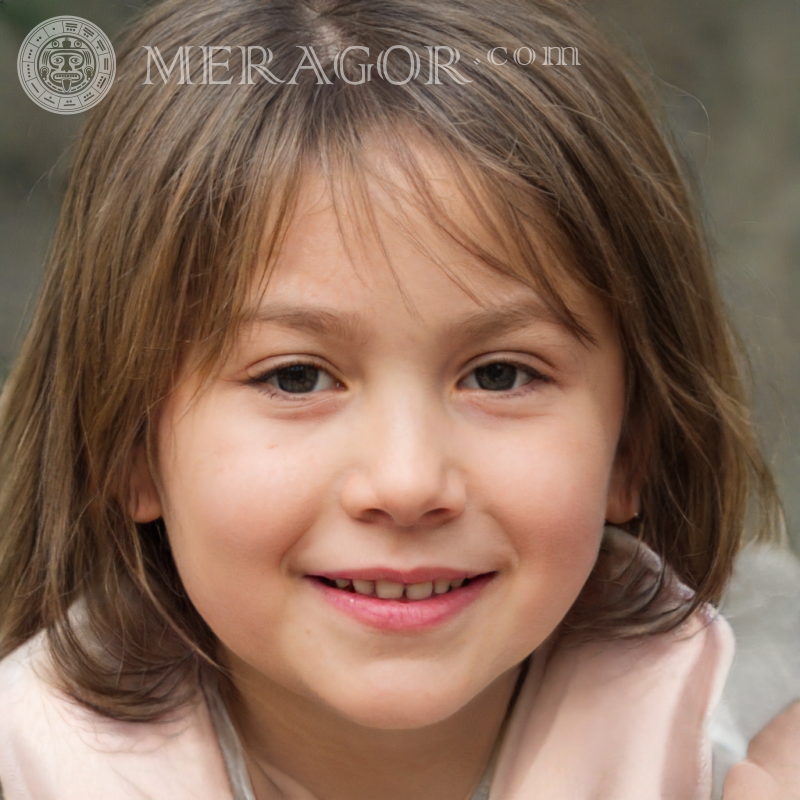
pixel 378 433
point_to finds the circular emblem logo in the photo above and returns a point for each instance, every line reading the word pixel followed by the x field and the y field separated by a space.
pixel 66 65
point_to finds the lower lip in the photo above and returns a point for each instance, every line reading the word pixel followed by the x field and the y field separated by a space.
pixel 404 615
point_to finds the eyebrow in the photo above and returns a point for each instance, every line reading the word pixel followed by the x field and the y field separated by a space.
pixel 317 320
pixel 482 323
pixel 493 321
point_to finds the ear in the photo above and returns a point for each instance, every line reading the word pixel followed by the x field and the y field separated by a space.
pixel 624 492
pixel 144 504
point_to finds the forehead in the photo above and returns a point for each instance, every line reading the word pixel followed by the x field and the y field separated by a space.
pixel 360 243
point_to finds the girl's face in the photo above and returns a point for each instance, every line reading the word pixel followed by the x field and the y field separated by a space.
pixel 374 435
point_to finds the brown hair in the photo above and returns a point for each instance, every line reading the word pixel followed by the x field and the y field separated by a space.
pixel 163 218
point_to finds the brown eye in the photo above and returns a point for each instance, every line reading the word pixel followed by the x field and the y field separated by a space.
pixel 501 376
pixel 296 379
pixel 497 377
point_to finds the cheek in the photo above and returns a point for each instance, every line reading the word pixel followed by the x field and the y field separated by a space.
pixel 549 492
pixel 555 478
pixel 237 501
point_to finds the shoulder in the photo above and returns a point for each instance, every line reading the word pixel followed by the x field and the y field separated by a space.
pixel 52 747
pixel 623 718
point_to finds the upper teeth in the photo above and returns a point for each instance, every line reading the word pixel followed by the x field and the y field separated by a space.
pixel 388 590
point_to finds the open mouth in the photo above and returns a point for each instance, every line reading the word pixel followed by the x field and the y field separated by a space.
pixel 389 590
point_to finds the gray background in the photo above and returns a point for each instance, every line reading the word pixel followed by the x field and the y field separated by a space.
pixel 729 71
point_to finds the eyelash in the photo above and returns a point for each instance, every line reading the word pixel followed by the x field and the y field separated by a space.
pixel 261 382
pixel 535 376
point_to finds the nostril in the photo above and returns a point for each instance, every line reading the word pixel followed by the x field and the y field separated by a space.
pixel 403 492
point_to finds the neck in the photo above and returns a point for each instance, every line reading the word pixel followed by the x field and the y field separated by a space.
pixel 337 759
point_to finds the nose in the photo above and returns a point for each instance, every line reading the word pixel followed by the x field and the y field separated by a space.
pixel 404 470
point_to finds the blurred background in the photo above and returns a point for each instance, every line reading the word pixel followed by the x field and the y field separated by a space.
pixel 730 75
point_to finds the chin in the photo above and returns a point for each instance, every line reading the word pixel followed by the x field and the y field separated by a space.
pixel 401 716
pixel 407 707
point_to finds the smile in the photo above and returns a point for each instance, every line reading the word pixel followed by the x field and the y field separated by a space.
pixel 390 590
pixel 401 606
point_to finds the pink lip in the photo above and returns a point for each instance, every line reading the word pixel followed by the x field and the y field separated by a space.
pixel 403 615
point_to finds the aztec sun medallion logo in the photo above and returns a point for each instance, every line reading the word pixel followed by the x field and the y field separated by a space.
pixel 66 65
